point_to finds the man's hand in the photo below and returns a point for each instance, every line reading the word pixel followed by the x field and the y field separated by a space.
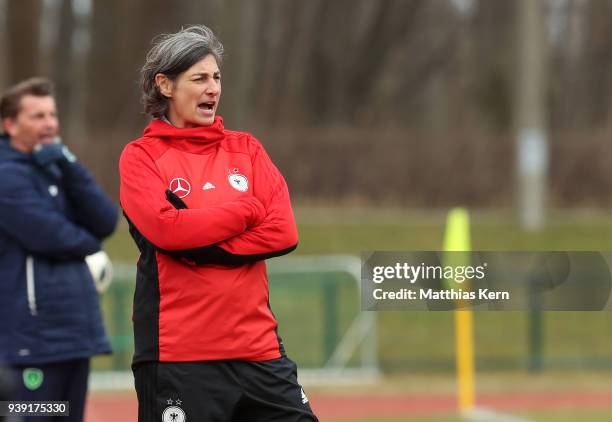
pixel 45 154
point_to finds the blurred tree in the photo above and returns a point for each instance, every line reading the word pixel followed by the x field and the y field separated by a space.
pixel 3 43
pixel 63 66
pixel 23 30
pixel 583 76
pixel 107 93
pixel 350 53
pixel 280 31
pixel 320 62
pixel 239 21
pixel 493 65
pixel 427 69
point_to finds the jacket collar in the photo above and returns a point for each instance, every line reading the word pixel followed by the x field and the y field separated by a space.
pixel 162 129
pixel 8 153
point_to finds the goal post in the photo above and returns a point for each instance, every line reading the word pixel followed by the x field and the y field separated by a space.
pixel 359 343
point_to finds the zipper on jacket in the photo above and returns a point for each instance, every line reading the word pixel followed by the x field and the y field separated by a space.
pixel 30 285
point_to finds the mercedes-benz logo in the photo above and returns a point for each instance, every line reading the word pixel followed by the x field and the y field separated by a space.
pixel 180 187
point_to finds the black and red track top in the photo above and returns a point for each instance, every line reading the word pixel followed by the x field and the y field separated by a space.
pixel 237 207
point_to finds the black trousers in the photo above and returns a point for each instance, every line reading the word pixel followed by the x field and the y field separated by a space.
pixel 60 381
pixel 221 391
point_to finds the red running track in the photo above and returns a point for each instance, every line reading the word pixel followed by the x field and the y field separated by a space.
pixel 104 407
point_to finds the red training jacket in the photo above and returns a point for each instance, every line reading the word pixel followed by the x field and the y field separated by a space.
pixel 205 206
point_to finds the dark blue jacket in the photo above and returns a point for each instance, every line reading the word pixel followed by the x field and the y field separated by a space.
pixel 49 221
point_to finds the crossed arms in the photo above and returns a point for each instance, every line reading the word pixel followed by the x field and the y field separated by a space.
pixel 251 228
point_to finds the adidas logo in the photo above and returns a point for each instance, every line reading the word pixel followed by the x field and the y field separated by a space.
pixel 304 398
pixel 208 185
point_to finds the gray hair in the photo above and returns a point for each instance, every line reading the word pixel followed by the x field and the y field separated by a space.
pixel 171 55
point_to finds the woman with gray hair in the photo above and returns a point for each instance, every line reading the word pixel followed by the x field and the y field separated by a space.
pixel 206 207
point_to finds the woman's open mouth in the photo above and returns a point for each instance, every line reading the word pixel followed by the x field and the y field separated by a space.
pixel 207 107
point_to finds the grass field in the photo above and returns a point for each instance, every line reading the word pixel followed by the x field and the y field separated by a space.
pixel 577 346
pixel 352 231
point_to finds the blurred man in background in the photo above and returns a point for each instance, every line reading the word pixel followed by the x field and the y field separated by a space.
pixel 52 215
